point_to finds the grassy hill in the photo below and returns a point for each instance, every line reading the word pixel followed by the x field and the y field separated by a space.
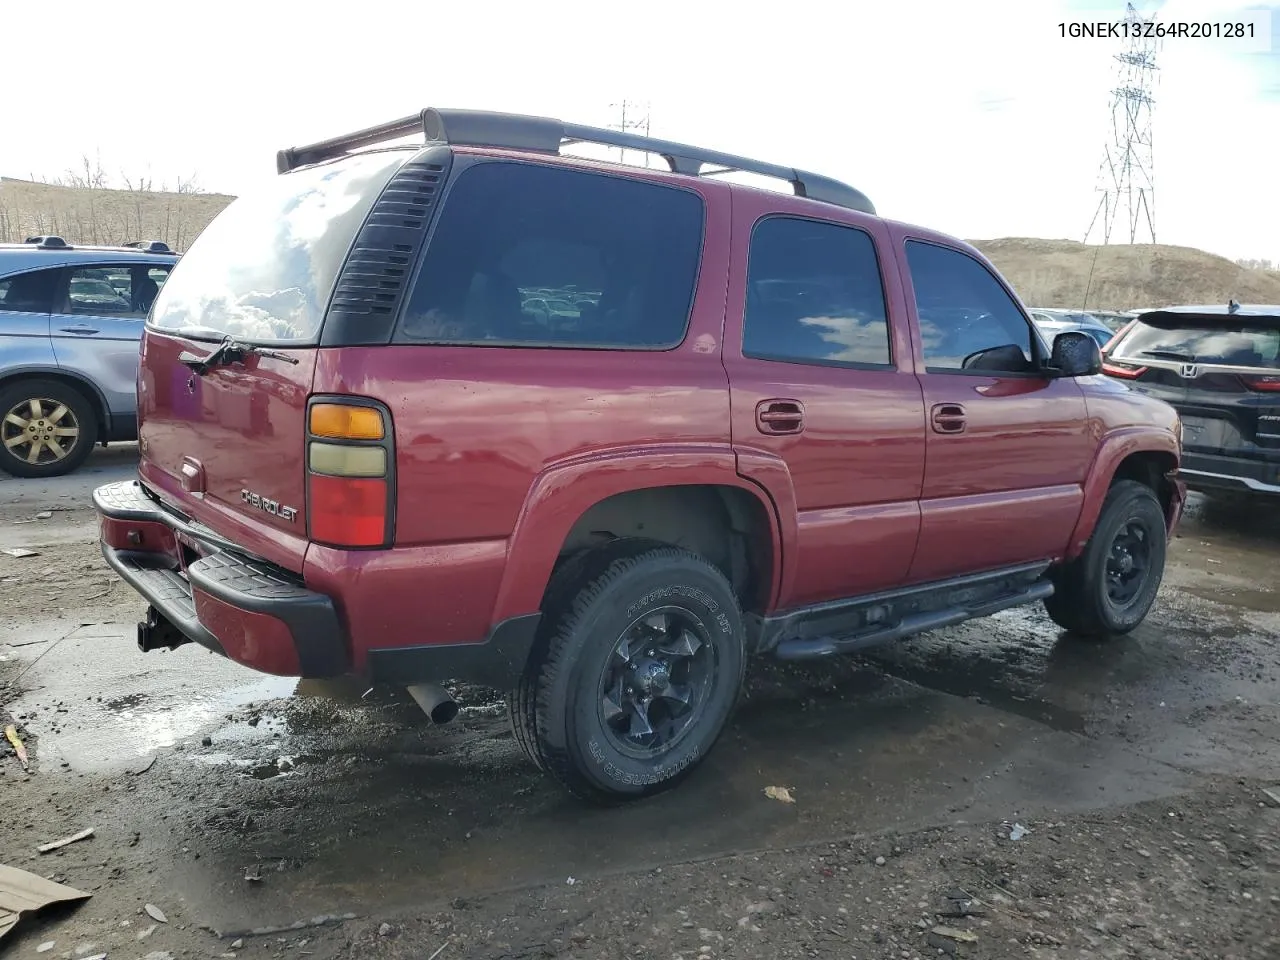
pixel 1057 273
pixel 1046 273
pixel 81 215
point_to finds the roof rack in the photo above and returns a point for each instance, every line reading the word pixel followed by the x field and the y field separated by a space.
pixel 481 128
pixel 148 246
pixel 48 242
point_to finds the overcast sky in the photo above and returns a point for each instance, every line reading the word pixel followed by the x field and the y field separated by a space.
pixel 977 118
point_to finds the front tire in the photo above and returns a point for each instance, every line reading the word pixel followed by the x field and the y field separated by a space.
pixel 1109 589
pixel 640 669
pixel 47 428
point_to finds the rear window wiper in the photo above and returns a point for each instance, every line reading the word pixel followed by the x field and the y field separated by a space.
pixel 1168 355
pixel 229 350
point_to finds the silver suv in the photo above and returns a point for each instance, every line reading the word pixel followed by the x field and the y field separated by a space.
pixel 71 318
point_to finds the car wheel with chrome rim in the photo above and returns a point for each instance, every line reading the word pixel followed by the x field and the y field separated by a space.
pixel 47 428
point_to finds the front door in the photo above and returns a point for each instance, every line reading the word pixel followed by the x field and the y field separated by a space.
pixel 1008 445
pixel 824 403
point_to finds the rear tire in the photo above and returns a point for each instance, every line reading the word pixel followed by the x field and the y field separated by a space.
pixel 46 419
pixel 638 671
pixel 1109 589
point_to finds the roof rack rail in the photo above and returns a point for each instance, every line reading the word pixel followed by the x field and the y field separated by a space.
pixel 48 242
pixel 481 128
pixel 148 246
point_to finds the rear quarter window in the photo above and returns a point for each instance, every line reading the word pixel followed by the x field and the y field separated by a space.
pixel 532 255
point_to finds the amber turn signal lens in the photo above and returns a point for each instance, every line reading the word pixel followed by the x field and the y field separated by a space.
pixel 346 422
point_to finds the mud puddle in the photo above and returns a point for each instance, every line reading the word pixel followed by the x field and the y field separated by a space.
pixel 366 811
pixel 98 705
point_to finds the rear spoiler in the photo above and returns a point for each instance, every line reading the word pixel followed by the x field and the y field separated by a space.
pixel 1262 313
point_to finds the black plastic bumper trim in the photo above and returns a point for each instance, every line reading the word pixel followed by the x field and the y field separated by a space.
pixel 251 585
pixel 166 592
pixel 497 661
pixel 1246 474
pixel 123 427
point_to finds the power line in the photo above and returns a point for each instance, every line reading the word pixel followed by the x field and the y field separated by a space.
pixel 633 116
pixel 1126 176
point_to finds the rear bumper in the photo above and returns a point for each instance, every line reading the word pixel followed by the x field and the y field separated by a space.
pixel 1237 474
pixel 244 609
pixel 201 588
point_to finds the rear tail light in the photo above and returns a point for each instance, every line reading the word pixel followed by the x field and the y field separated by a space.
pixel 1126 371
pixel 1267 383
pixel 346 422
pixel 1110 344
pixel 350 477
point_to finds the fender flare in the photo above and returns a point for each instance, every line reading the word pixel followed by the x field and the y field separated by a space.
pixel 563 492
pixel 1114 448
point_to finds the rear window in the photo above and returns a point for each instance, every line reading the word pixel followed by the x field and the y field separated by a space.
pixel 1229 342
pixel 264 269
pixel 532 255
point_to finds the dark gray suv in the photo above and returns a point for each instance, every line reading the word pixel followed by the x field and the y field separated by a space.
pixel 71 318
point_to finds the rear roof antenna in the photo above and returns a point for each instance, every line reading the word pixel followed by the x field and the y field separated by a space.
pixel 1232 306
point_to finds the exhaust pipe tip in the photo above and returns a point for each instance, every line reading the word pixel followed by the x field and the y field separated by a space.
pixel 435 701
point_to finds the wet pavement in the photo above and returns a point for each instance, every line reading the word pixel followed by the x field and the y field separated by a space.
pixel 245 801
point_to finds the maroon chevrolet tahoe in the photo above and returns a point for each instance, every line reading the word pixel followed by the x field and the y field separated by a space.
pixel 476 410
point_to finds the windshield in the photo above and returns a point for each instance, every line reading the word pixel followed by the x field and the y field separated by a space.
pixel 1229 343
pixel 264 268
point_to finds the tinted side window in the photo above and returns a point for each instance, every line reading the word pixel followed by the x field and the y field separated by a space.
pixel 545 256
pixel 29 292
pixel 963 311
pixel 115 290
pixel 814 295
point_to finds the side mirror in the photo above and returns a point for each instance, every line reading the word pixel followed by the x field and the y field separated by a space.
pixel 1076 355
pixel 1007 358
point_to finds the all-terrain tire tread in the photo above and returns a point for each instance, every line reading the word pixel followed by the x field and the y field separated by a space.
pixel 565 581
pixel 557 762
pixel 1072 606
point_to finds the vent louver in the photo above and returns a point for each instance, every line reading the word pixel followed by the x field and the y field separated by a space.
pixel 372 284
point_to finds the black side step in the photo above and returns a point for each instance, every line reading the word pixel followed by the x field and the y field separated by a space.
pixel 811 648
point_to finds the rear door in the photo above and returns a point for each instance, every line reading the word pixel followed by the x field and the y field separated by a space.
pixel 96 327
pixel 820 377
pixel 26 298
pixel 1008 447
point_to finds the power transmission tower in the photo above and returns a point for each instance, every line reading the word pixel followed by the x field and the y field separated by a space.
pixel 632 116
pixel 1126 177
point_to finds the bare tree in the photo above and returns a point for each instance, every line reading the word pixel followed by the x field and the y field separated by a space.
pixel 89 176
pixel 137 184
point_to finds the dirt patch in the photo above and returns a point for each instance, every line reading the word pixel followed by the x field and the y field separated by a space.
pixel 1192 878
pixel 71 583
